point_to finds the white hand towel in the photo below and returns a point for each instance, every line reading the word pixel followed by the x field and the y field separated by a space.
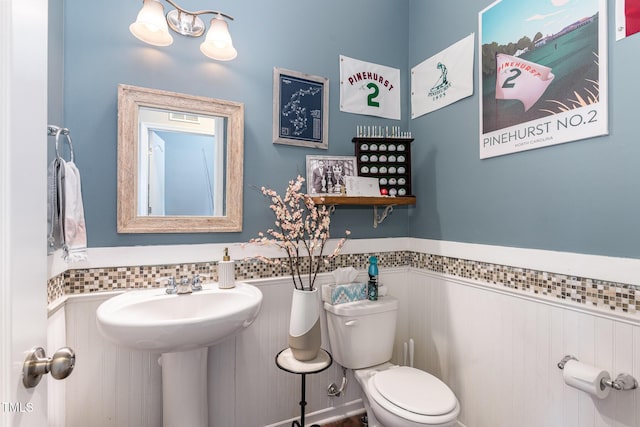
pixel 75 231
pixel 54 208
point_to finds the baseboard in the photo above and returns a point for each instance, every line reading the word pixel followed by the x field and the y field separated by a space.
pixel 327 415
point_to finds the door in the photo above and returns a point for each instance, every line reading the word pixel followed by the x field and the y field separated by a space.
pixel 156 174
pixel 23 158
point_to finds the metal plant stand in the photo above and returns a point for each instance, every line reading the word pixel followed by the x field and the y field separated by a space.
pixel 286 362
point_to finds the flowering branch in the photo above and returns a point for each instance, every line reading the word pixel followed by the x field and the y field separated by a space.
pixel 301 229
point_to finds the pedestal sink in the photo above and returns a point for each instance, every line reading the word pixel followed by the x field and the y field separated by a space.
pixel 180 327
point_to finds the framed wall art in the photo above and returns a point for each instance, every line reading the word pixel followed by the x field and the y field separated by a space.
pixel 300 109
pixel 326 175
pixel 543 81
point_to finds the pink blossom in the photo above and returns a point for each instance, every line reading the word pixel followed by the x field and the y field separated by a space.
pixel 302 230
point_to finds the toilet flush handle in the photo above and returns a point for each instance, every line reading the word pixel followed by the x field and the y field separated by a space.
pixel 351 323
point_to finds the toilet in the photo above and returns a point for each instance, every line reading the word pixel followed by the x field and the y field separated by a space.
pixel 362 335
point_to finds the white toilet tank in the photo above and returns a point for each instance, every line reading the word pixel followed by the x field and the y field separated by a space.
pixel 362 333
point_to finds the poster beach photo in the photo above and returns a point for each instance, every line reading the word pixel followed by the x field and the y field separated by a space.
pixel 542 73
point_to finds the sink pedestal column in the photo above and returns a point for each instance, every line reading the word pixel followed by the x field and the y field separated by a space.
pixel 184 389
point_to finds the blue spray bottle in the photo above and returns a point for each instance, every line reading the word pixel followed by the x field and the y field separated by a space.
pixel 372 288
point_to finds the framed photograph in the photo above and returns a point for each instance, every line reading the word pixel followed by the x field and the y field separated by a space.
pixel 326 175
pixel 300 109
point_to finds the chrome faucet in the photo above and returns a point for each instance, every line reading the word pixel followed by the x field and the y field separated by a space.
pixel 185 286
pixel 171 285
pixel 195 283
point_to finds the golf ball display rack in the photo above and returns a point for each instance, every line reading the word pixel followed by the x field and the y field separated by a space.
pixel 389 160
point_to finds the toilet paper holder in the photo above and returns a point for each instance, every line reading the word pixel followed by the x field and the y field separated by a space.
pixel 622 382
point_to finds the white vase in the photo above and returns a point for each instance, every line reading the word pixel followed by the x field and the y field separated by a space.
pixel 304 325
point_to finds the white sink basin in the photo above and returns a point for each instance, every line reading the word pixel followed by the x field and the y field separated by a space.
pixel 152 320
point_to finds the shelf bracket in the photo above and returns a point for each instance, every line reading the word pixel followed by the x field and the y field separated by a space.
pixel 377 219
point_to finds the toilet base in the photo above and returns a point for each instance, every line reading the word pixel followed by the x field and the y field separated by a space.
pixel 372 421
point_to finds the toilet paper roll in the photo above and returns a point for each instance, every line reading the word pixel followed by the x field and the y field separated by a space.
pixel 586 378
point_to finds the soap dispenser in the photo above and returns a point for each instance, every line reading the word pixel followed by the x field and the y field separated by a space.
pixel 226 272
pixel 372 287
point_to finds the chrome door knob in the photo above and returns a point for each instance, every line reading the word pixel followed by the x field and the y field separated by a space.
pixel 36 364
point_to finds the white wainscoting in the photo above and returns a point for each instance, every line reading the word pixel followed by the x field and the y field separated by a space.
pixel 115 387
pixel 497 350
pixel 110 386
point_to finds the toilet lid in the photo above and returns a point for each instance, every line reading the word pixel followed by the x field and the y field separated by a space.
pixel 415 391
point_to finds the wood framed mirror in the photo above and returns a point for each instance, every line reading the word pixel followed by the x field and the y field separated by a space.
pixel 180 162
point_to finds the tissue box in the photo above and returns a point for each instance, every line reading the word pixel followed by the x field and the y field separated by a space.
pixel 339 294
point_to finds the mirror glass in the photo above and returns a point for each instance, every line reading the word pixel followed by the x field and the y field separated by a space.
pixel 179 162
pixel 168 141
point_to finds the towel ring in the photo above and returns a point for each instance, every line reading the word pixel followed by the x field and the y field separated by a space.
pixel 57 131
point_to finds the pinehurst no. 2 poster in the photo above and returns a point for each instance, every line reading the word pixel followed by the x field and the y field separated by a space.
pixel 542 73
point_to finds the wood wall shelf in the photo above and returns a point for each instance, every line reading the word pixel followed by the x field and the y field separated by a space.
pixel 386 201
pixel 365 200
pixel 388 160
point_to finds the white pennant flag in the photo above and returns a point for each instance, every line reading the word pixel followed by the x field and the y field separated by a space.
pixel 367 88
pixel 520 79
pixel 443 79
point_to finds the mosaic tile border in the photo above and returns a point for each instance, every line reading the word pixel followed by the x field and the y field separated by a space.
pixel 605 295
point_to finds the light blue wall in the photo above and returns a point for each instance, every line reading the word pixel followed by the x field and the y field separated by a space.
pixel 101 53
pixel 577 197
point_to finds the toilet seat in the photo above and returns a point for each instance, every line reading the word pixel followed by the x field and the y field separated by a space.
pixel 414 395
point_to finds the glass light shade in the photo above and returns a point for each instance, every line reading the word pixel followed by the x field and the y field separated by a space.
pixel 151 26
pixel 218 44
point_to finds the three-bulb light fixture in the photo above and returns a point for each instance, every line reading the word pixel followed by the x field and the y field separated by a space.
pixel 151 27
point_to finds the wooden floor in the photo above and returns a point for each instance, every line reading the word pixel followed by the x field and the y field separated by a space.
pixel 347 422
